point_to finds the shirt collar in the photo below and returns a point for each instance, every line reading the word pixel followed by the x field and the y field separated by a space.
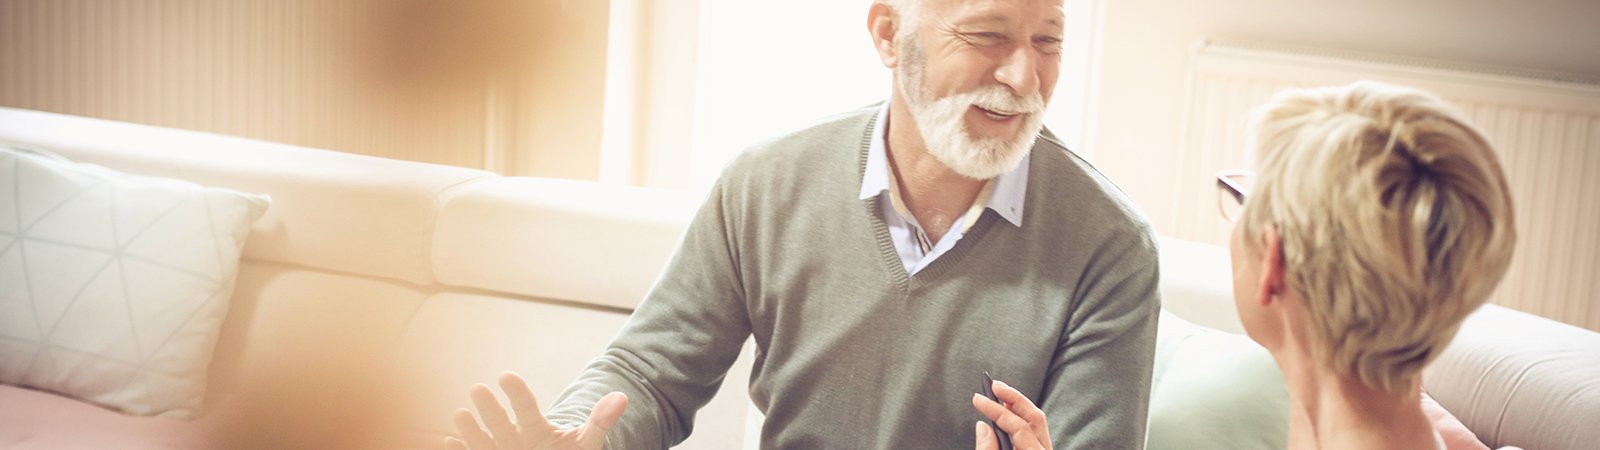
pixel 1006 199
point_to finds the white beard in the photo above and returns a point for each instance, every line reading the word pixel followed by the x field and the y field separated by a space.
pixel 943 124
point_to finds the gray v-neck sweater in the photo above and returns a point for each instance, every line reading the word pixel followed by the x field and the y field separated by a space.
pixel 854 354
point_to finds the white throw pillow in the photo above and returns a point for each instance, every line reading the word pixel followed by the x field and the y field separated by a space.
pixel 1214 390
pixel 113 287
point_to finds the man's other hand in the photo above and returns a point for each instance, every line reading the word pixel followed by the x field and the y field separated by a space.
pixel 1017 417
pixel 530 430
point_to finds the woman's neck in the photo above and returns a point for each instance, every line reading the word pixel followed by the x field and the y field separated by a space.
pixel 1327 411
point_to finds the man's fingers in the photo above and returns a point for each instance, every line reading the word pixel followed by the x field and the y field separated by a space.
pixel 985 437
pixel 493 415
pixel 471 432
pixel 451 443
pixel 523 402
pixel 1020 405
pixel 604 416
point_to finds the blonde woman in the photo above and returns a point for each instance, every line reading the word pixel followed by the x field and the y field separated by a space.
pixel 1377 220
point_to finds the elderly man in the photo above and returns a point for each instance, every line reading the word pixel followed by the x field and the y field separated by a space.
pixel 884 259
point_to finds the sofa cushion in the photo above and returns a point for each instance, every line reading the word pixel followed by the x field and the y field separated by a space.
pixel 459 339
pixel 42 421
pixel 293 319
pixel 306 362
pixel 1214 390
pixel 331 210
pixel 113 287
pixel 560 239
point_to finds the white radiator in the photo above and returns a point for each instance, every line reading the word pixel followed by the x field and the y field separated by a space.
pixel 1545 126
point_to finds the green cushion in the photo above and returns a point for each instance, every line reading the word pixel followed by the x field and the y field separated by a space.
pixel 1214 390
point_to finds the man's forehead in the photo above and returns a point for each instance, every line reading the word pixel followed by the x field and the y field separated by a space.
pixel 999 11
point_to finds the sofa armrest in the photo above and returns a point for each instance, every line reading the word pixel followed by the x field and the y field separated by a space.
pixel 1197 284
pixel 1523 380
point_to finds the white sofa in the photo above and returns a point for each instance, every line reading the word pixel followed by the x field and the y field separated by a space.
pixel 382 287
pixel 363 263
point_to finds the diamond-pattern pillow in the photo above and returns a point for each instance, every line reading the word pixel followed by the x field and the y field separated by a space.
pixel 113 287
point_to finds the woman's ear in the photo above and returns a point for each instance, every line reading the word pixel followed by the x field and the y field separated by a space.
pixel 882 23
pixel 1271 285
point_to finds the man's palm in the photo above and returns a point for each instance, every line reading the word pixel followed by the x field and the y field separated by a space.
pixel 530 430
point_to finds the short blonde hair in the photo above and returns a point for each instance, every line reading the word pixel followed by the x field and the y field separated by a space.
pixel 1394 217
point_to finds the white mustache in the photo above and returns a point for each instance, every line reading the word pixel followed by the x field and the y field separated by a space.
pixel 1000 100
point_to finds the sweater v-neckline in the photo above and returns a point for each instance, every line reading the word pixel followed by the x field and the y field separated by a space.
pixel 888 256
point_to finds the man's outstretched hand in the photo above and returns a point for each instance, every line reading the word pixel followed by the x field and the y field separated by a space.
pixel 530 430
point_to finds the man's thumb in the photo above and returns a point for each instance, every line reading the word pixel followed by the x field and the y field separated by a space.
pixel 605 415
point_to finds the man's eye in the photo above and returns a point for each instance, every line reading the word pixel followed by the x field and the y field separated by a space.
pixel 986 38
pixel 1048 43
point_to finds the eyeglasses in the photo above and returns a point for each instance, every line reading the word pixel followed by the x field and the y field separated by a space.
pixel 1232 190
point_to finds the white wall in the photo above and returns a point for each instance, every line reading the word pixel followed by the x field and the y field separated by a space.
pixel 772 66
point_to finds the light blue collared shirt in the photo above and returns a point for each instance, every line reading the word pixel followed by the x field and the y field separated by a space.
pixel 1005 198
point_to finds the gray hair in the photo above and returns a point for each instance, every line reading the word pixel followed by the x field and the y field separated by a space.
pixel 907 14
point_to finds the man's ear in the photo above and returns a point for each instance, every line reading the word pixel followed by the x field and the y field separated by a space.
pixel 1272 286
pixel 882 23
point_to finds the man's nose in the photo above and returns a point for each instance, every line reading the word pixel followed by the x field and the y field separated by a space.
pixel 1020 71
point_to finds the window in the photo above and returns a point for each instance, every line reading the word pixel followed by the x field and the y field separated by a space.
pixel 691 86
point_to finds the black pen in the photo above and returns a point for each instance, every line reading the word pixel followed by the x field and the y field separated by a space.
pixel 988 391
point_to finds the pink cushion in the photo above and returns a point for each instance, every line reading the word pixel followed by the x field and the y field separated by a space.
pixel 32 419
pixel 1456 435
